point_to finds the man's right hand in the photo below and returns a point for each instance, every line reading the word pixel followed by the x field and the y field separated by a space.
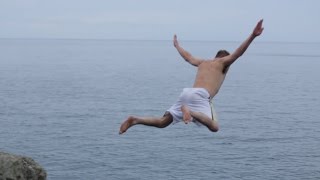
pixel 175 41
pixel 258 29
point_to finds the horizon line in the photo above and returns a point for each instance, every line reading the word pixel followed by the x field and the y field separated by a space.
pixel 128 39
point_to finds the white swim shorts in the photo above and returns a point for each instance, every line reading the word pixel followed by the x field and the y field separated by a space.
pixel 197 99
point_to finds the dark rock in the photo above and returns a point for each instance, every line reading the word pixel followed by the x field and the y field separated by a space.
pixel 14 167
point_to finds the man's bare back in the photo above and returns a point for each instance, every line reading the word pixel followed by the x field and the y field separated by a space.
pixel 209 78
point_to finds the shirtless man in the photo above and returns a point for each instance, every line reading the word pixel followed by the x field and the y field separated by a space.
pixel 194 103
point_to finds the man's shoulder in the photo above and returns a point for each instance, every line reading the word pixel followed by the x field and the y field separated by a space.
pixel 216 61
pixel 213 62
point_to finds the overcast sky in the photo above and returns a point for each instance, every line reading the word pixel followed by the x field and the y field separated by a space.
pixel 223 20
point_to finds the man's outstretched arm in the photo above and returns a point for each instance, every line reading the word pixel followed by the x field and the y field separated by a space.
pixel 185 54
pixel 228 60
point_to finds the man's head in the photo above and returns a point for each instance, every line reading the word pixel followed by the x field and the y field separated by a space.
pixel 222 53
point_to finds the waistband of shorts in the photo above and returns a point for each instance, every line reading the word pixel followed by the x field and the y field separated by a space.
pixel 201 89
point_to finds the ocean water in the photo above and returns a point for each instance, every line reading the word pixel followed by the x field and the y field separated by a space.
pixel 62 102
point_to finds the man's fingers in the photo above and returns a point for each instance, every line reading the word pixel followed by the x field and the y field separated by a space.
pixel 175 41
pixel 260 23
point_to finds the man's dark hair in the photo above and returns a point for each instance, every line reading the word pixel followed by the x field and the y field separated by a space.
pixel 222 53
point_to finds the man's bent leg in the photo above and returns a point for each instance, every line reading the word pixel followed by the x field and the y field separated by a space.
pixel 212 125
pixel 186 115
pixel 148 121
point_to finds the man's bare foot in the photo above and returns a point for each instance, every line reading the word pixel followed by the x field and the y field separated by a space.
pixel 186 114
pixel 127 124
